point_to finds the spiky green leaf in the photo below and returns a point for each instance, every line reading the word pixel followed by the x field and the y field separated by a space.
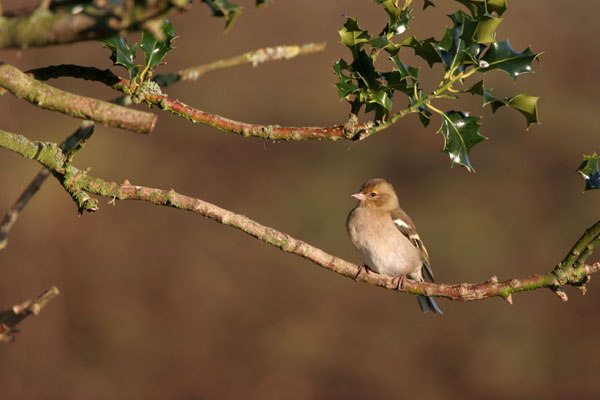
pixel 353 36
pixel 590 172
pixel 523 103
pixel 428 49
pixel 482 8
pixel 399 16
pixel 501 56
pixel 122 54
pixel 461 133
pixel 155 50
pixel 346 85
pixel 224 9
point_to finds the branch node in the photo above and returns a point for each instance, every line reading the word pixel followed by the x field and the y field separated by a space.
pixel 560 293
pixel 494 279
pixel 514 283
pixel 581 285
pixel 508 299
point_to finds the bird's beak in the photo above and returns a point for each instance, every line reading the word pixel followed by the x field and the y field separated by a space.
pixel 359 196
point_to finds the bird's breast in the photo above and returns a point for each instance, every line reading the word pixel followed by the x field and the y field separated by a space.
pixel 382 246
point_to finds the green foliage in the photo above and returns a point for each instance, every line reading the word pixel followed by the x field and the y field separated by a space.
pixel 122 54
pixel 467 47
pixel 228 10
pixel 154 50
pixel 224 9
pixel 590 172
pixel 461 133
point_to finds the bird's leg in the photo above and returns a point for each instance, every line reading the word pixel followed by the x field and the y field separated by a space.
pixel 360 269
pixel 401 279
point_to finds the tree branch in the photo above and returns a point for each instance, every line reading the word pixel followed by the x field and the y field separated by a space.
pixel 44 27
pixel 77 181
pixel 42 95
pixel 254 57
pixel 11 318
pixel 109 78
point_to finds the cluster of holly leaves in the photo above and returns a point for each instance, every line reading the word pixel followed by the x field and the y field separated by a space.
pixel 468 48
pixel 154 49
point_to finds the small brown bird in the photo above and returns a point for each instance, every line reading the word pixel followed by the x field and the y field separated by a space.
pixel 387 239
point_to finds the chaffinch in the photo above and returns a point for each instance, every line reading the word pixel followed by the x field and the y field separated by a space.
pixel 387 239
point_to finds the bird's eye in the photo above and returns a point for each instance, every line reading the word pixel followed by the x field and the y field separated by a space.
pixel 373 194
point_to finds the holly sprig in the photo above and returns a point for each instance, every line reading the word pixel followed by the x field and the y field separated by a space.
pixel 467 48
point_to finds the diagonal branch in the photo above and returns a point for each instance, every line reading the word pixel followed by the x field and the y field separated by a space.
pixel 11 318
pixel 75 180
pixel 45 96
pixel 254 57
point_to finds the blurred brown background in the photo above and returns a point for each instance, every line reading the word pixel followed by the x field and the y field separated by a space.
pixel 157 303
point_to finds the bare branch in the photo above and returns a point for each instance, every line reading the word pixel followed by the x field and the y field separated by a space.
pixel 44 27
pixel 254 57
pixel 11 318
pixel 42 95
pixel 77 181
pixel 13 212
pixel 272 132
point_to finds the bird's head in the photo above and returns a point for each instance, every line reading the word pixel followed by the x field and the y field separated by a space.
pixel 377 193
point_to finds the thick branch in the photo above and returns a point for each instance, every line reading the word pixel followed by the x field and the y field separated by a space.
pixel 10 318
pixel 44 27
pixel 74 180
pixel 42 95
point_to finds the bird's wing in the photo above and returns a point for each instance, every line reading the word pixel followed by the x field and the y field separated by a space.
pixel 407 227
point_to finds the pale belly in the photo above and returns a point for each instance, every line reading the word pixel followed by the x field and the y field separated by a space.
pixel 386 250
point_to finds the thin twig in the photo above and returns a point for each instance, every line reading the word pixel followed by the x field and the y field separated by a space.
pixel 254 57
pixel 11 318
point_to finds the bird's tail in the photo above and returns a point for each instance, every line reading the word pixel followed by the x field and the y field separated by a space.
pixel 428 303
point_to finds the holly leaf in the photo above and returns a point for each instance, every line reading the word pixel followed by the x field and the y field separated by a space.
pixel 224 9
pixel 425 118
pixel 523 103
pixel 123 54
pixel 482 8
pixel 405 71
pixel 353 36
pixel 382 98
pixel 399 16
pixel 461 133
pixel 346 85
pixel 155 50
pixel 424 48
pixel 501 56
pixel 590 172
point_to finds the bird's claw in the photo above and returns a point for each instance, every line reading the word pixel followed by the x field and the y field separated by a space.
pixel 401 279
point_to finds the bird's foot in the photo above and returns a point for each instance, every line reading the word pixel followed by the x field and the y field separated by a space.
pixel 401 279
